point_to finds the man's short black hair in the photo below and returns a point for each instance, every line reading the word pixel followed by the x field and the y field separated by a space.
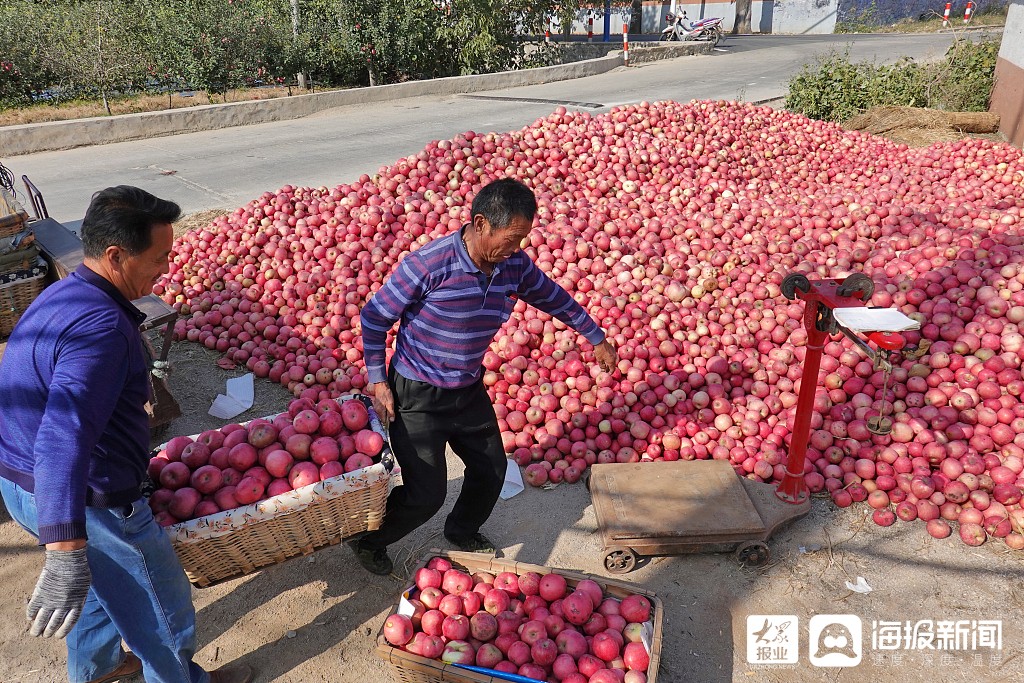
pixel 124 216
pixel 501 201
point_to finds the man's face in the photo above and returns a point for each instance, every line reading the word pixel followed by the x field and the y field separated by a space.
pixel 138 273
pixel 497 245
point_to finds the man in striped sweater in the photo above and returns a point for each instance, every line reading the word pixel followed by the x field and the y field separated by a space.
pixel 450 298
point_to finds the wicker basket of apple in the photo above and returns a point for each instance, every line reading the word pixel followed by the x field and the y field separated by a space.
pixel 246 496
pixel 473 618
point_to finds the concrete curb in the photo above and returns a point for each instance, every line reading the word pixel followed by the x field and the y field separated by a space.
pixel 57 135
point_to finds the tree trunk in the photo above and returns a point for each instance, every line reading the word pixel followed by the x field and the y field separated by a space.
pixel 742 24
pixel 636 23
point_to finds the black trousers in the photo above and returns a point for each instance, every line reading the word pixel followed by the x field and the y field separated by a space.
pixel 426 419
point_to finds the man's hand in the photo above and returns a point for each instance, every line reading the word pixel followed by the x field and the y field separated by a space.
pixel 60 593
pixel 606 356
pixel 383 401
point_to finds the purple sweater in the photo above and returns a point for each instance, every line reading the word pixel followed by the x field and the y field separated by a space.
pixel 450 312
pixel 73 387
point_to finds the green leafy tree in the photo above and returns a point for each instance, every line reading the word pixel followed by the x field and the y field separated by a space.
pixel 92 48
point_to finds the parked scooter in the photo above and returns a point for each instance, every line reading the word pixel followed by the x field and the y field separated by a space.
pixel 680 28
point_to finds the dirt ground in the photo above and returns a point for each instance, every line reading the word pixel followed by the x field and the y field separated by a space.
pixel 314 618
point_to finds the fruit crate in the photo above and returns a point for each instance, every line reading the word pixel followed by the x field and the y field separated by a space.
pixel 245 539
pixel 411 668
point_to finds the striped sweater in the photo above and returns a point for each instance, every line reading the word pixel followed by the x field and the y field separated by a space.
pixel 450 312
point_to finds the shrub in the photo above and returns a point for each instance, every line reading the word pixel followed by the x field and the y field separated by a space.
pixel 836 89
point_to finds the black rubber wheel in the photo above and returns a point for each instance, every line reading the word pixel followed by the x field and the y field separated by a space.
pixel 753 554
pixel 793 282
pixel 858 282
pixel 620 560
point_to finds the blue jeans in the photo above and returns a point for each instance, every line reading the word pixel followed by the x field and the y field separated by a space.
pixel 139 594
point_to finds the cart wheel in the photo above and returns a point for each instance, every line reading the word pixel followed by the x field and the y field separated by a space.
pixel 858 282
pixel 793 282
pixel 753 554
pixel 620 560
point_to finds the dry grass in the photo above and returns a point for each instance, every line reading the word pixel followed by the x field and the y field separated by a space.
pixel 197 220
pixel 82 109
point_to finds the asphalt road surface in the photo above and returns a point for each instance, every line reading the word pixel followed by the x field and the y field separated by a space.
pixel 226 168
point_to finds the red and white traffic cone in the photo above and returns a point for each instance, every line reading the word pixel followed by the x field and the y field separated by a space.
pixel 968 11
pixel 945 14
pixel 625 43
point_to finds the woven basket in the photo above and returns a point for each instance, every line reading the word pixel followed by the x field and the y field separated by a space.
pixel 266 543
pixel 323 522
pixel 15 297
pixel 410 668
pixel 12 215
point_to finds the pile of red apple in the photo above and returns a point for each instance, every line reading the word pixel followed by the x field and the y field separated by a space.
pixel 674 225
pixel 534 625
pixel 235 465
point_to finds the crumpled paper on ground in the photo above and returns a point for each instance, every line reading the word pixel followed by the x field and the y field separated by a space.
pixel 239 398
pixel 860 587
pixel 513 481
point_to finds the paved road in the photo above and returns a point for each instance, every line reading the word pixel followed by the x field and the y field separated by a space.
pixel 227 168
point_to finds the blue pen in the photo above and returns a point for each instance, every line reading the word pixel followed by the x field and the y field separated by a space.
pixel 498 674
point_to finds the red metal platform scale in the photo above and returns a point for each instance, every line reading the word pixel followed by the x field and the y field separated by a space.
pixel 703 505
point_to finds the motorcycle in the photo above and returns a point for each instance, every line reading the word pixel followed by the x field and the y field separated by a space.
pixel 680 28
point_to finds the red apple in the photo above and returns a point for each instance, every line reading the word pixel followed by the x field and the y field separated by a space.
pixel 483 626
pixel 425 577
pixel 552 587
pixel 496 601
pixel 431 597
pixel 458 652
pixel 455 627
pixel 529 583
pixel 303 474
pixel 519 653
pixel 431 621
pixel 508 582
pixel 635 609
pixel 636 657
pixel 398 629
pixel 278 463
pixel 225 498
pixel 456 582
pixel 572 643
pixel 488 655
pixel 605 647
pixel 532 631
pixel 207 479
pixel 472 602
pixel 544 652
pixel 508 622
pixel 450 604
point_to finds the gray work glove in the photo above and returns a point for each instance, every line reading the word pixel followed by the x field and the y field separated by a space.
pixel 60 593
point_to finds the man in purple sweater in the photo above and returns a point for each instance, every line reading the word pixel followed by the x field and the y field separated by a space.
pixel 74 445
pixel 450 298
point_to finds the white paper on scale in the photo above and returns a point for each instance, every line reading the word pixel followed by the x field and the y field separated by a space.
pixel 874 320
pixel 513 481
pixel 240 397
